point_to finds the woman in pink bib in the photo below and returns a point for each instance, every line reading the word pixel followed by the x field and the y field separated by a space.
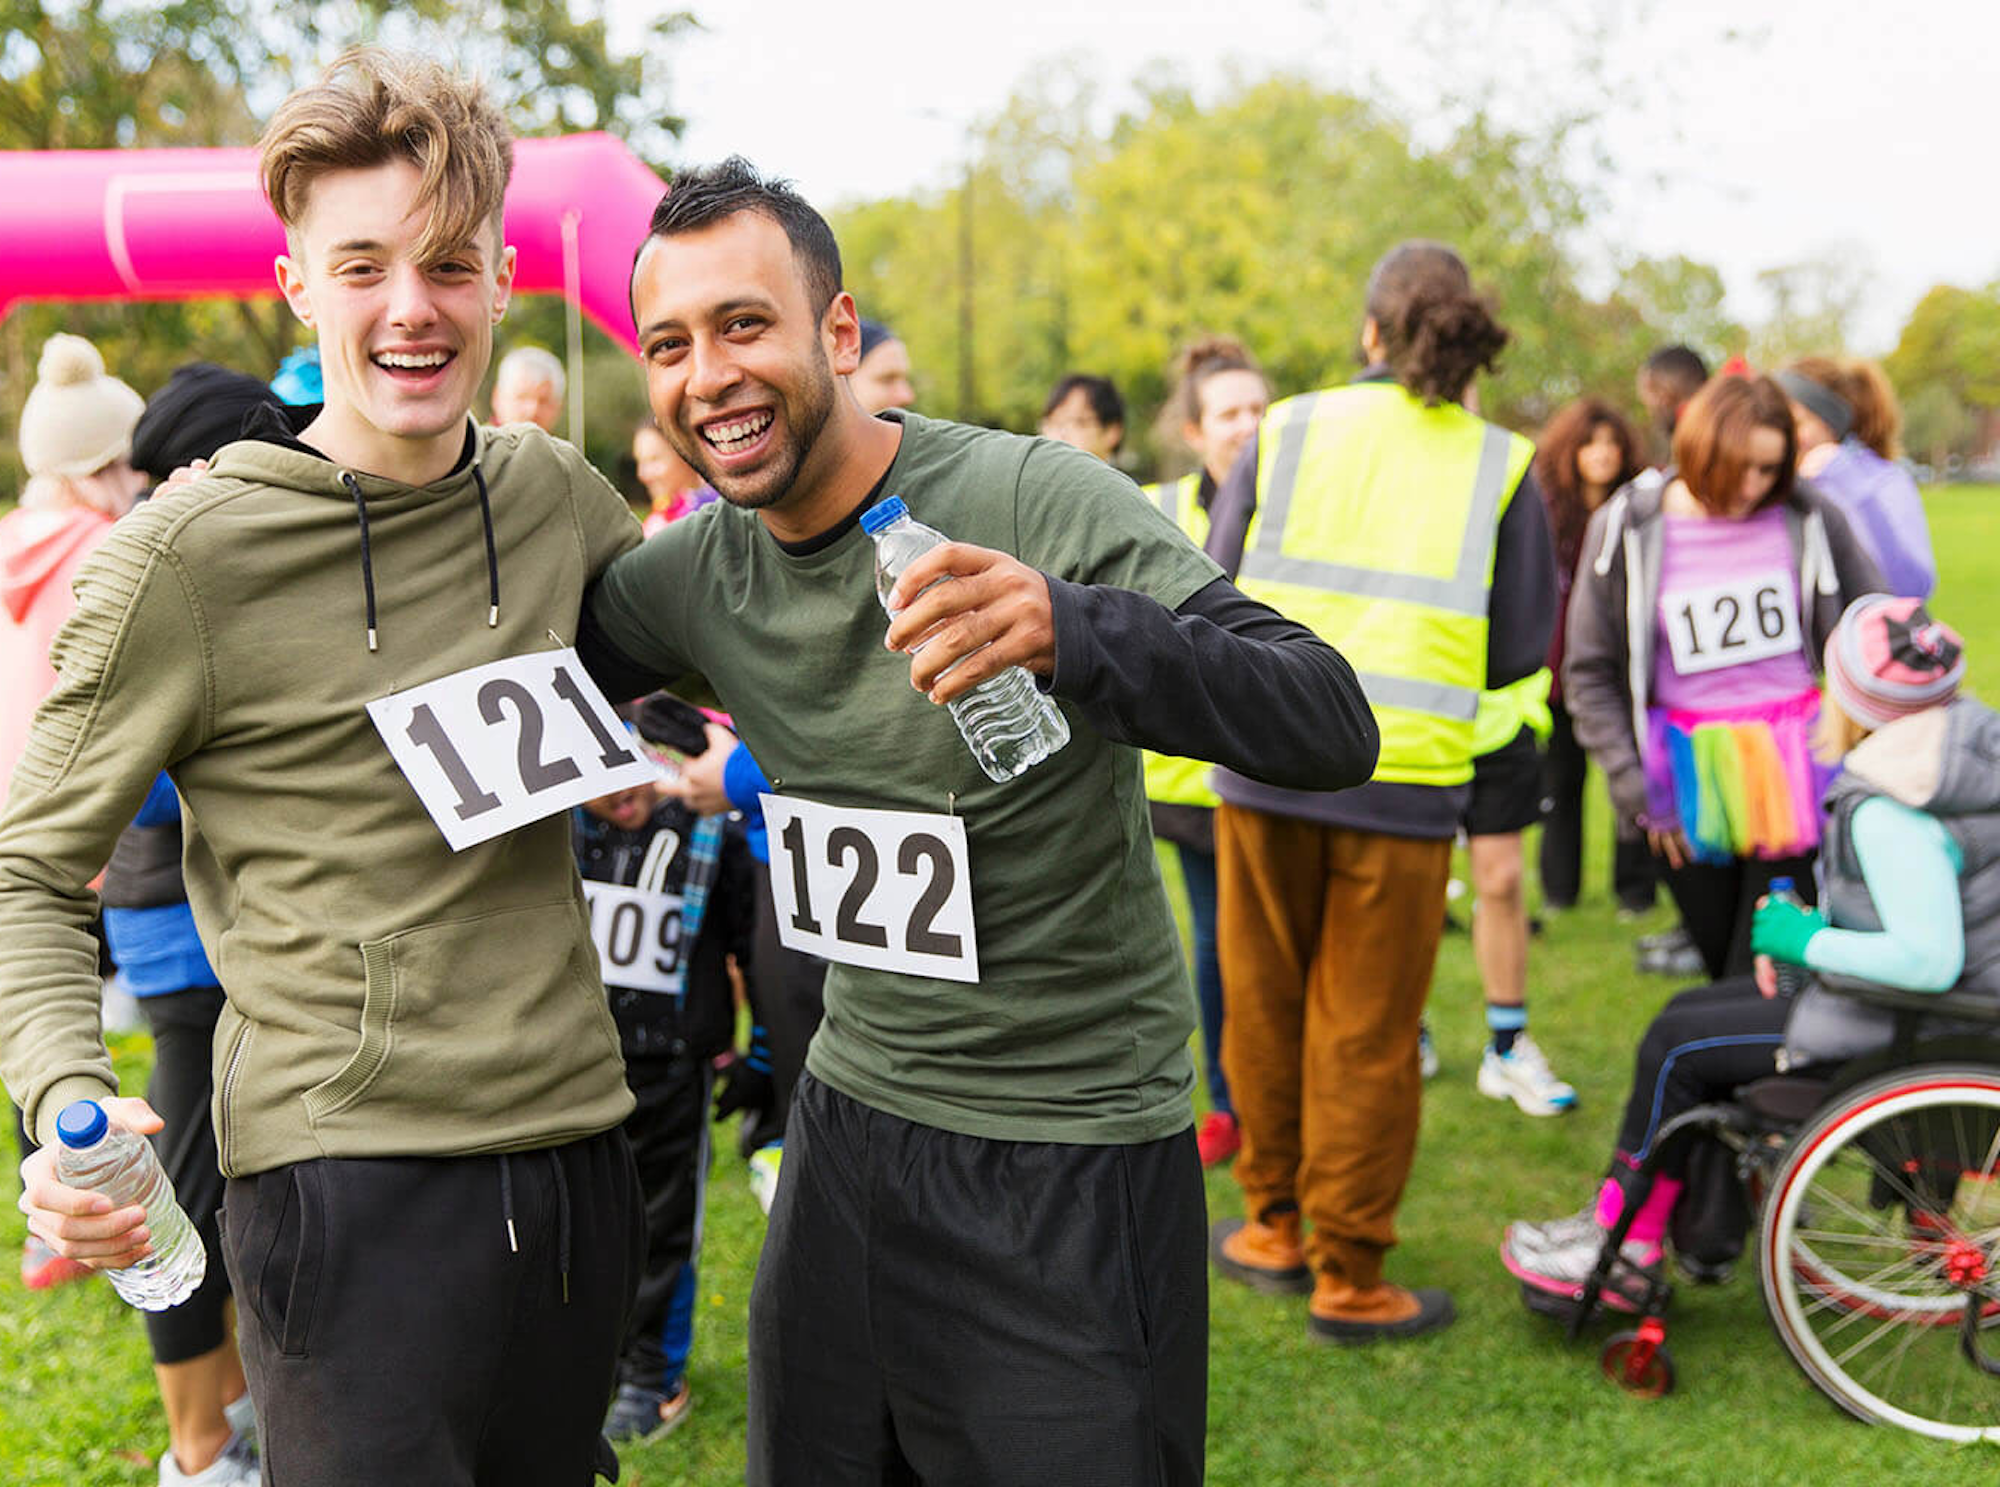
pixel 1702 603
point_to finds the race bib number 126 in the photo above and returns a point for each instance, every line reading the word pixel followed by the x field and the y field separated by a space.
pixel 890 890
pixel 1731 624
pixel 494 747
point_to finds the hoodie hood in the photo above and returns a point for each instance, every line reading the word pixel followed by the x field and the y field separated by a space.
pixel 41 548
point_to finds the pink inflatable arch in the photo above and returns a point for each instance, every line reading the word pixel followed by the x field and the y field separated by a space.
pixel 179 224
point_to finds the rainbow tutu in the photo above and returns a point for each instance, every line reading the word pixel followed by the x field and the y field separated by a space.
pixel 1742 782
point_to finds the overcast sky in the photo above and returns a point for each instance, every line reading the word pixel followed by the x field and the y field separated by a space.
pixel 1745 133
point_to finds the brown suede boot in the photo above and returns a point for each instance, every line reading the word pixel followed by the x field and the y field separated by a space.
pixel 1339 1312
pixel 1264 1255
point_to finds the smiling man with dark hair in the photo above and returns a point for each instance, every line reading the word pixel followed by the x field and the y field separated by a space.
pixel 985 1256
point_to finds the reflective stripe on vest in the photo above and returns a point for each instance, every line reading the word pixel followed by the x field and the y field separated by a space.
pixel 1169 780
pixel 1375 527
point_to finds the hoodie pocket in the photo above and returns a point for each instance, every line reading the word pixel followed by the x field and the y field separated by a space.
pixel 452 1013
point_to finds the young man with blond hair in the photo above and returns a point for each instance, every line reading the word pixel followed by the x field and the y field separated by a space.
pixel 430 1219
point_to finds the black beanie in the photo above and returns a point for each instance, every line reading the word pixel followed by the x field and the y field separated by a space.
pixel 873 334
pixel 201 408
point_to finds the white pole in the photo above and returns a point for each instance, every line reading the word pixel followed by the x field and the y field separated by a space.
pixel 573 315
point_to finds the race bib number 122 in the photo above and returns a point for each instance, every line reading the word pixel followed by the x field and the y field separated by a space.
pixel 494 747
pixel 890 890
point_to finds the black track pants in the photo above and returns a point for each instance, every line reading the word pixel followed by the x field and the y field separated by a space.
pixel 393 1336
pixel 937 1308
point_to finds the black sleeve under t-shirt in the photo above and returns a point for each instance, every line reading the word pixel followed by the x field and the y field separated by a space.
pixel 1223 678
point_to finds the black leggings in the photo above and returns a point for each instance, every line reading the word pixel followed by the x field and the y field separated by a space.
pixel 183 1024
pixel 1716 901
pixel 1564 768
pixel 1702 1045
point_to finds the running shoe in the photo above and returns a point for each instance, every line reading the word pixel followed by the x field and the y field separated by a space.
pixel 1522 1074
pixel 1524 1238
pixel 764 1164
pixel 1562 1270
pixel 640 1414
pixel 235 1466
pixel 1669 953
pixel 1427 1054
pixel 1217 1138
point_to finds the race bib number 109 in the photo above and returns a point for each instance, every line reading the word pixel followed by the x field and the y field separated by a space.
pixel 890 890
pixel 494 747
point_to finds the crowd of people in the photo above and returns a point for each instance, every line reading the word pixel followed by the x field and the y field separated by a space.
pixel 439 1094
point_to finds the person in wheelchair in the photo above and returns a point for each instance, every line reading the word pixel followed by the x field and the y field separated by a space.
pixel 1910 869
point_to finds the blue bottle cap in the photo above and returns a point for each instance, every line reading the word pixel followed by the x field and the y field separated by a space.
pixel 1783 885
pixel 878 516
pixel 82 1123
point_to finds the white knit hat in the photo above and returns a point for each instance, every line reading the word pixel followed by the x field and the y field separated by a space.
pixel 77 419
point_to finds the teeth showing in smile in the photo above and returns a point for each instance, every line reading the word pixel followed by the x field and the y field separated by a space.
pixel 412 361
pixel 740 434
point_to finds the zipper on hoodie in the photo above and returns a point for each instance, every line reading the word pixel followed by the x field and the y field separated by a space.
pixel 224 1130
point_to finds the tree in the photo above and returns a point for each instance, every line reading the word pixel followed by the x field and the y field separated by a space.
pixel 1682 301
pixel 1946 367
pixel 1813 302
pixel 1259 216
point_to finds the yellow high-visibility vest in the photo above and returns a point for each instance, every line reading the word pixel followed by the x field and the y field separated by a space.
pixel 1375 526
pixel 1505 711
pixel 1169 780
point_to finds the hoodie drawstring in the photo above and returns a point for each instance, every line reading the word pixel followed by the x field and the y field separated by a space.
pixel 492 556
pixel 559 1179
pixel 368 565
pixel 562 1220
pixel 507 1201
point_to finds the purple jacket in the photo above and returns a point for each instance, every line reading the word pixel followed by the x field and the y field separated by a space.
pixel 1881 504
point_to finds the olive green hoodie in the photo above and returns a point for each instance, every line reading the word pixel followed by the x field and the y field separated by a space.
pixel 386 996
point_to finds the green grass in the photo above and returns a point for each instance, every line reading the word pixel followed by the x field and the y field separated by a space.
pixel 1500 1398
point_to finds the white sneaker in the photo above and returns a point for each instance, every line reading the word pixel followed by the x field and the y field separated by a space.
pixel 242 1417
pixel 1522 1074
pixel 1427 1053
pixel 235 1467
pixel 1526 1239
pixel 764 1164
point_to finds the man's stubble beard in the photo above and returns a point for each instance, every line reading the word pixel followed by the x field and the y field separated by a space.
pixel 802 433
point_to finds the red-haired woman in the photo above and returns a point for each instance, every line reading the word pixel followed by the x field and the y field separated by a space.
pixel 1702 603
pixel 1586 452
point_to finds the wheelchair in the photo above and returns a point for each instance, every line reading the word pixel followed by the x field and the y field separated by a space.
pixel 1876 1185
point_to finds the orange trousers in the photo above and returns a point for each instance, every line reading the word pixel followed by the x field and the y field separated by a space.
pixel 1327 940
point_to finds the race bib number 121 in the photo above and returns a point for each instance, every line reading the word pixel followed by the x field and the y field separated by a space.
pixel 890 890
pixel 494 747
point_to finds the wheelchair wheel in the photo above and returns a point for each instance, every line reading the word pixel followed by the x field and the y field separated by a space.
pixel 1637 1361
pixel 1879 1251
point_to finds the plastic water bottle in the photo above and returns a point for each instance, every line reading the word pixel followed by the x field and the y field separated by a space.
pixel 1791 979
pixel 108 1159
pixel 1007 722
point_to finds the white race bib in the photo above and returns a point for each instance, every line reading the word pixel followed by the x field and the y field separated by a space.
pixel 890 890
pixel 494 747
pixel 638 935
pixel 1746 619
